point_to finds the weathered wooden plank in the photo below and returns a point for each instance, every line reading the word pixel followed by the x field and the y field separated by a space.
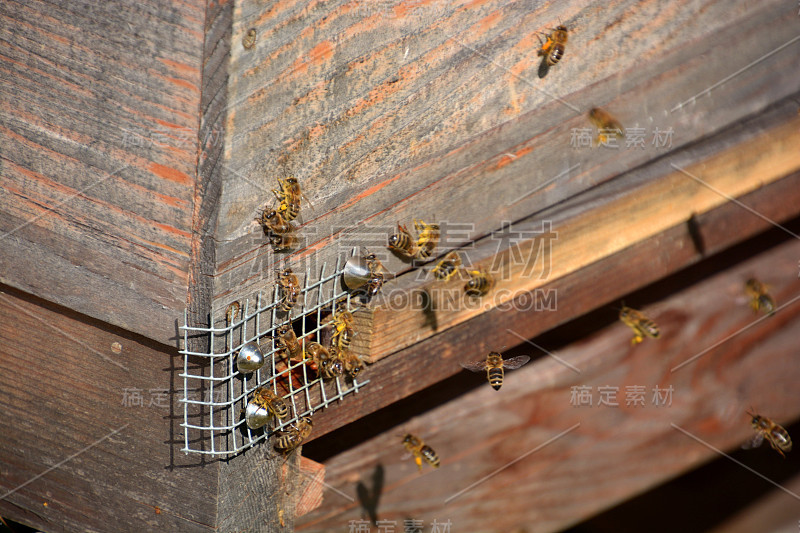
pixel 98 147
pixel 413 369
pixel 616 451
pixel 91 427
pixel 419 159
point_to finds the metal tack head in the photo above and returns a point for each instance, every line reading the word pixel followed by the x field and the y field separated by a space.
pixel 256 416
pixel 249 358
pixel 356 272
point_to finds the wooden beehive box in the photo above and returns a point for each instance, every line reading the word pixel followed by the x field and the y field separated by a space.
pixel 141 140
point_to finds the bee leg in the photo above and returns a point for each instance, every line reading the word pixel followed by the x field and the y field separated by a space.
pixel 636 339
pixel 418 460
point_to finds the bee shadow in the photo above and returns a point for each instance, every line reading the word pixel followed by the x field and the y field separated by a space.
pixel 369 497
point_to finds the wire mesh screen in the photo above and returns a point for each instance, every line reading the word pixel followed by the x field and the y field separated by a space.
pixel 216 392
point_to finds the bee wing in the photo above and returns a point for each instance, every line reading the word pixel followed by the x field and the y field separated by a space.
pixel 516 362
pixel 753 442
pixel 474 366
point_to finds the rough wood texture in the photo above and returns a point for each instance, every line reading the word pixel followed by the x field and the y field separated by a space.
pixel 67 384
pixel 615 451
pixel 434 110
pixel 99 156
pixel 413 369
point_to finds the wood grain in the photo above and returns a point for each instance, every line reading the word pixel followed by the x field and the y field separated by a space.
pixel 113 419
pixel 616 451
pixel 99 156
pixel 383 116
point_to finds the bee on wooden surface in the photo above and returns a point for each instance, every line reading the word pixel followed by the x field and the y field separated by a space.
pixel 479 284
pixel 287 343
pixel 427 240
pixel 266 398
pixel 606 125
pixel 402 242
pixel 552 49
pixel 376 275
pixel 494 364
pixel 275 223
pixel 232 313
pixel 639 323
pixel 289 196
pixel 759 299
pixel 420 451
pixel 447 267
pixel 343 331
pixel 249 39
pixel 765 428
pixel 291 438
pixel 352 363
pixel 281 243
pixel 290 290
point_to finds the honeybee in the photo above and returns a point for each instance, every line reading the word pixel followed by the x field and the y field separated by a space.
pixel 376 275
pixel 287 342
pixel 327 365
pixel 420 451
pixel 281 243
pixel 266 398
pixel 765 428
pixel 292 437
pixel 249 39
pixel 275 223
pixel 290 290
pixel 352 363
pixel 447 267
pixel 479 284
pixel 232 313
pixel 289 197
pixel 606 125
pixel 553 49
pixel 759 299
pixel 402 242
pixel 493 365
pixel 343 329
pixel 427 240
pixel 639 323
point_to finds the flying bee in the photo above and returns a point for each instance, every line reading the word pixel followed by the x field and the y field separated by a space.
pixel 232 313
pixel 552 49
pixel 427 240
pixel 353 364
pixel 249 39
pixel 403 243
pixel 765 428
pixel 479 284
pixel 494 364
pixel 290 290
pixel 447 267
pixel 343 329
pixel 266 398
pixel 606 125
pixel 639 323
pixel 759 299
pixel 287 342
pixel 281 243
pixel 290 439
pixel 420 451
pixel 274 222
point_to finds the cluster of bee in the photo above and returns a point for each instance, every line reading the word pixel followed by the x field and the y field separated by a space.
pixel 479 282
pixel 277 222
pixel 420 248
